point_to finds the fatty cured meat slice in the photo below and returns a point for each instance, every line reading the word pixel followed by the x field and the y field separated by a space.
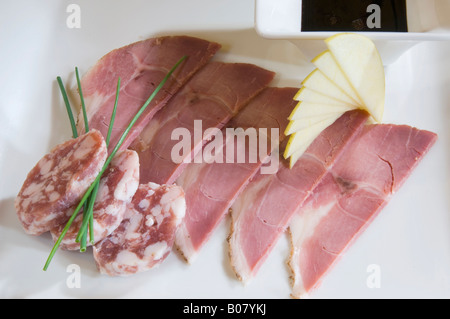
pixel 349 197
pixel 212 97
pixel 141 67
pixel 116 189
pixel 211 187
pixel 262 212
pixel 146 235
pixel 58 181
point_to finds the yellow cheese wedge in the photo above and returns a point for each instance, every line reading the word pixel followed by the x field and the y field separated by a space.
pixel 360 61
pixel 327 64
pixel 318 82
pixel 300 140
pixel 349 75
pixel 307 95
pixel 305 110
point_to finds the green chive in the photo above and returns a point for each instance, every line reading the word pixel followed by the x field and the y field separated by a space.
pixel 91 226
pixel 68 108
pixel 83 106
pixel 108 160
pixel 83 241
pixel 113 115
pixel 88 219
pixel 91 215
pixel 86 129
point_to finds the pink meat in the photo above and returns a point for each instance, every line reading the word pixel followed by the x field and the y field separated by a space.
pixel 116 189
pixel 59 181
pixel 350 196
pixel 211 188
pixel 141 67
pixel 264 209
pixel 147 233
pixel 215 94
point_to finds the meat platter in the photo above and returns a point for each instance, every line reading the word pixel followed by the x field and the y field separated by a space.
pixel 212 262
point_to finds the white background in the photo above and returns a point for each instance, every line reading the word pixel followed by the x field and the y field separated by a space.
pixel 409 240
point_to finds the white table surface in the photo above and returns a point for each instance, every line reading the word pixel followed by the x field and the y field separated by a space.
pixel 409 241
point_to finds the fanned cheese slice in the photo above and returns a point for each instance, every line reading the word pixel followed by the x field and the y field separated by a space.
pixel 361 63
pixel 318 82
pixel 306 110
pixel 301 139
pixel 308 95
pixel 327 64
pixel 349 75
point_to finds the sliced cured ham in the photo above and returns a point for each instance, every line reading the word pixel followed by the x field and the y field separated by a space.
pixel 116 189
pixel 349 197
pixel 264 209
pixel 58 181
pixel 146 235
pixel 214 95
pixel 141 67
pixel 211 187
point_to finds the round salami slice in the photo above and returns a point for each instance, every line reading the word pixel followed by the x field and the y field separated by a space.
pixel 59 181
pixel 116 189
pixel 146 235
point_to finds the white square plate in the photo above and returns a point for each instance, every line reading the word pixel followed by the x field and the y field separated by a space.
pixel 409 240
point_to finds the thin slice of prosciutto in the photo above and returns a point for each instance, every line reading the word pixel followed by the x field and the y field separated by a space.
pixel 141 67
pixel 212 97
pixel 349 197
pixel 212 186
pixel 262 212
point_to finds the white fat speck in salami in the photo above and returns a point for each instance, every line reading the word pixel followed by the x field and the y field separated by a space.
pixel 143 240
pixel 58 181
pixel 116 189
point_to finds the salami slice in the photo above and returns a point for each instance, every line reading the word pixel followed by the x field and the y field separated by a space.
pixel 146 235
pixel 58 181
pixel 116 189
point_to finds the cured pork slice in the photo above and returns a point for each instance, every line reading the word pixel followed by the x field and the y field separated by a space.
pixel 212 186
pixel 116 189
pixel 215 94
pixel 141 67
pixel 59 181
pixel 262 212
pixel 146 235
pixel 349 197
